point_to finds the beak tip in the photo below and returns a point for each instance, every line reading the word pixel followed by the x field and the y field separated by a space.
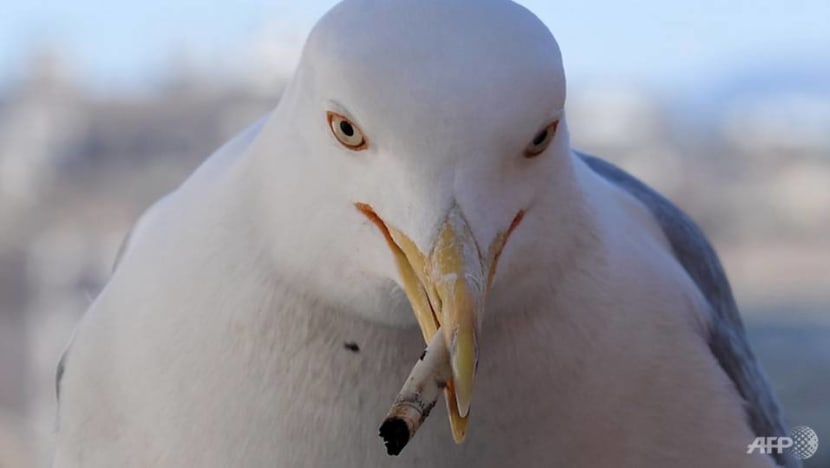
pixel 464 359
pixel 463 406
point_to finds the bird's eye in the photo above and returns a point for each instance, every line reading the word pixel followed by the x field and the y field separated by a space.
pixel 346 132
pixel 541 141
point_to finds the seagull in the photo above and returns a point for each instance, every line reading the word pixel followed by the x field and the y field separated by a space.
pixel 415 178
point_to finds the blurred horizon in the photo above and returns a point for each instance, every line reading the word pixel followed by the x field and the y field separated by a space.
pixel 106 106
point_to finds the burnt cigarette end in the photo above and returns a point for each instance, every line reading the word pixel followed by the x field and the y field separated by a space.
pixel 395 434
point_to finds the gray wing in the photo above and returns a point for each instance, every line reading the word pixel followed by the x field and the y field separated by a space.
pixel 727 338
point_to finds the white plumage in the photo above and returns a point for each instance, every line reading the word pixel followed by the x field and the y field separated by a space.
pixel 219 340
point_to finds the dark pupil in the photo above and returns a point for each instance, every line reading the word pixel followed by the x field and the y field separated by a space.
pixel 346 128
pixel 540 138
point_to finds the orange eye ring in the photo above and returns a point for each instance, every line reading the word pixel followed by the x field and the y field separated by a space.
pixel 346 132
pixel 541 140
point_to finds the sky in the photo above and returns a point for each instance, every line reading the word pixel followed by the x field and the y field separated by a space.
pixel 117 44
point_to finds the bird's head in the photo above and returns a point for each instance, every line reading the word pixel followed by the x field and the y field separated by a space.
pixel 432 128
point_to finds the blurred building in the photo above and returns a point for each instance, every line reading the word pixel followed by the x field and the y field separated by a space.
pixel 633 129
pixel 785 140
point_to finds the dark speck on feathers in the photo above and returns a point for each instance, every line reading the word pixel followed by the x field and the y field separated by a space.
pixel 423 353
pixel 352 346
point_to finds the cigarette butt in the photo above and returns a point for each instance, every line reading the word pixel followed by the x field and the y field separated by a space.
pixel 418 396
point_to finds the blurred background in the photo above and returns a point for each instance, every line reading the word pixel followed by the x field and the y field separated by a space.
pixel 107 105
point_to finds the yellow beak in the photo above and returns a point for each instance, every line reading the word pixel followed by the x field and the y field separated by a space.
pixel 447 289
pixel 455 270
